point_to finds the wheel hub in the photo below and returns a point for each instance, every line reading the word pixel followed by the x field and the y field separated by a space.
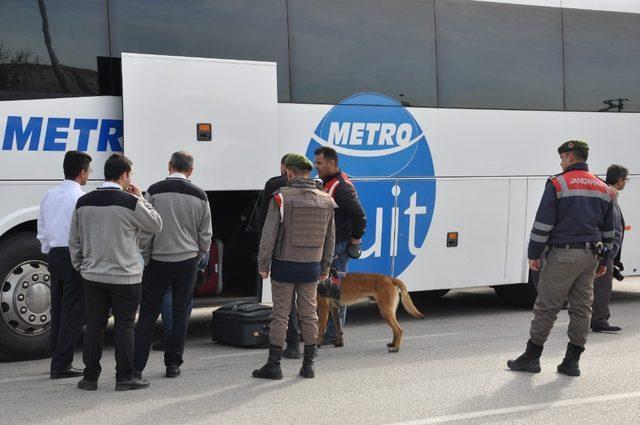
pixel 25 299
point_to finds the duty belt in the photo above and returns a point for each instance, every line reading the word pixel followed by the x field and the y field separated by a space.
pixel 580 245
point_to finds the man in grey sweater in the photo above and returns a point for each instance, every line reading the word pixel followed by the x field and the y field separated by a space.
pixel 172 258
pixel 103 244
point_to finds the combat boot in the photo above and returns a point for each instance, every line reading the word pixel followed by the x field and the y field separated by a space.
pixel 529 361
pixel 271 370
pixel 292 351
pixel 307 363
pixel 570 364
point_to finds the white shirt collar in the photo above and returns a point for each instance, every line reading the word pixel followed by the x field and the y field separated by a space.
pixel 110 185
pixel 72 184
pixel 177 176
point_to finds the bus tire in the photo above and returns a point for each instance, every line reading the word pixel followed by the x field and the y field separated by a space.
pixel 25 298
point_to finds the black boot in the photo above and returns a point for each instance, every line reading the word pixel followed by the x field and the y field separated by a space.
pixel 307 363
pixel 292 351
pixel 529 361
pixel 570 365
pixel 271 370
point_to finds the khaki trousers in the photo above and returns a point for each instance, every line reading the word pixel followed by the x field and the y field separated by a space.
pixel 307 311
pixel 567 274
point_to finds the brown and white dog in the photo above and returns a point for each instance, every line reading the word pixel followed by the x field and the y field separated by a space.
pixel 356 287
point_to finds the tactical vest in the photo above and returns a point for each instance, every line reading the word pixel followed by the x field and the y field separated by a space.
pixel 305 214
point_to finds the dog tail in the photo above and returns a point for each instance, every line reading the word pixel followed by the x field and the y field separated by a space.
pixel 405 298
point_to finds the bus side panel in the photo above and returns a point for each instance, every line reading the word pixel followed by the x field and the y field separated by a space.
pixel 477 210
pixel 516 268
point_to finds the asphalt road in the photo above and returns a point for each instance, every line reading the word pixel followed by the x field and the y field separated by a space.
pixel 451 369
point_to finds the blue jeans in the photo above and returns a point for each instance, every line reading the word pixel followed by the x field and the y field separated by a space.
pixel 167 313
pixel 340 263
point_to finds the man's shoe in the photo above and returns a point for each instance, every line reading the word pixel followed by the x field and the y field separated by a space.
pixel 83 384
pixel 292 351
pixel 571 364
pixel 173 371
pixel 529 361
pixel 70 372
pixel 136 374
pixel 606 328
pixel 132 383
pixel 271 370
pixel 307 364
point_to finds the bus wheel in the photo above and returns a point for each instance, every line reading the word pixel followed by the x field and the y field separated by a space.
pixel 25 298
pixel 521 295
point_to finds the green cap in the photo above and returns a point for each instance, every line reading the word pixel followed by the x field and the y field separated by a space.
pixel 572 145
pixel 297 160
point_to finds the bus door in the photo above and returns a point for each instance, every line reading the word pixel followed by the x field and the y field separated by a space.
pixel 224 112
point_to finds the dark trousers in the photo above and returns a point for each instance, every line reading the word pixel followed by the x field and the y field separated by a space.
pixel 340 263
pixel 293 327
pixel 123 300
pixel 601 296
pixel 158 277
pixel 67 308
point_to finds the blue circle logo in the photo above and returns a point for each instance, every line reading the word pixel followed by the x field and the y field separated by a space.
pixel 384 150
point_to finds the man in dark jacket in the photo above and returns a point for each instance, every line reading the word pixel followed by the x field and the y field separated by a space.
pixel 575 219
pixel 617 179
pixel 350 217
pixel 292 351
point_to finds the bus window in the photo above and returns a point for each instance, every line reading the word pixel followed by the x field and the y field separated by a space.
pixel 340 48
pixel 499 56
pixel 51 48
pixel 602 61
pixel 223 29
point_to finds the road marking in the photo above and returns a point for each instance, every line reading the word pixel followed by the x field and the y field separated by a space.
pixel 519 409
pixel 222 356
pixel 22 378
pixel 417 336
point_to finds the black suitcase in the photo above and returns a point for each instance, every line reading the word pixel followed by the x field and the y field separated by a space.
pixel 241 324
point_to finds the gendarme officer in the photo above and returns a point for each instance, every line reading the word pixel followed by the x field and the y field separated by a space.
pixel 296 248
pixel 574 219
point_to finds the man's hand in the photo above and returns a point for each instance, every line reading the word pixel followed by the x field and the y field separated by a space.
pixel 323 277
pixel 356 241
pixel 134 190
pixel 534 265
pixel 264 275
pixel 601 270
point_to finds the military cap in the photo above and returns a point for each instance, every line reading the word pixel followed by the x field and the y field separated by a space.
pixel 297 160
pixel 572 145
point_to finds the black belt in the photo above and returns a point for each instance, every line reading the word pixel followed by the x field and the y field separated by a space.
pixel 580 245
pixel 59 249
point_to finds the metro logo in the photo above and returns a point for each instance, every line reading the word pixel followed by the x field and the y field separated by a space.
pixel 61 135
pixel 369 134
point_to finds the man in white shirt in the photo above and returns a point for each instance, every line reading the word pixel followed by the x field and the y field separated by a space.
pixel 67 296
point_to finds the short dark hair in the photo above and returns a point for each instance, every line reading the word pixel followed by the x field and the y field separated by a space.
pixel 115 165
pixel 284 158
pixel 298 171
pixel 181 161
pixel 74 163
pixel 327 152
pixel 616 172
pixel 581 154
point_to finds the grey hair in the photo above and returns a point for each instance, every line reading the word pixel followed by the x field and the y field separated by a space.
pixel 181 161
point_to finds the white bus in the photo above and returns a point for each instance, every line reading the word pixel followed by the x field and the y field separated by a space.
pixel 446 113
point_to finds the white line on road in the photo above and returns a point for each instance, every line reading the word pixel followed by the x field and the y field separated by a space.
pixel 222 356
pixel 519 409
pixel 22 378
pixel 418 336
